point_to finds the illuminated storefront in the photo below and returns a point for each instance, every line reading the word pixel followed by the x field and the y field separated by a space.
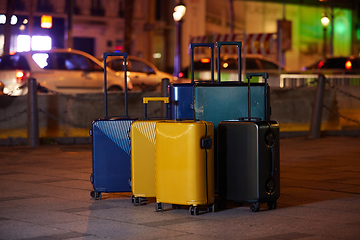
pixel 43 38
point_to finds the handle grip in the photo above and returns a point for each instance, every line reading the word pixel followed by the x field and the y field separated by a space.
pixel 146 100
pixel 211 46
pixel 106 54
pixel 265 75
pixel 219 44
pixel 193 45
pixel 154 99
pixel 239 45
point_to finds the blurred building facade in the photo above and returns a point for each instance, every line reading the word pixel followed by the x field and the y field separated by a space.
pixel 98 26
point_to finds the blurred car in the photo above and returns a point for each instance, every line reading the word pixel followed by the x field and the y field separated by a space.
pixel 143 74
pixel 335 65
pixel 229 68
pixel 66 71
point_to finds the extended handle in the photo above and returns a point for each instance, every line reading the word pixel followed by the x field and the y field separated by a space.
pixel 124 55
pixel 146 100
pixel 192 47
pixel 239 45
pixel 265 76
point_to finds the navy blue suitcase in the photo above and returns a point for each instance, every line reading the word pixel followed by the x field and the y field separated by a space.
pixel 181 99
pixel 111 147
pixel 181 94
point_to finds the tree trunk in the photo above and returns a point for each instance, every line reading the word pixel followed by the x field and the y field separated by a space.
pixel 128 26
pixel 10 7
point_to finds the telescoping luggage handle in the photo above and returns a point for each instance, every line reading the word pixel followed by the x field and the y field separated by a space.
pixel 146 100
pixel 265 76
pixel 211 46
pixel 124 55
pixel 270 138
pixel 218 46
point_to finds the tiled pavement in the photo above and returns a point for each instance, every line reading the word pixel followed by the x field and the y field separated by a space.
pixel 45 194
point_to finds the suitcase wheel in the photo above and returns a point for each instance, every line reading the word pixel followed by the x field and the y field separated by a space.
pixel 159 207
pixel 255 207
pixel 272 205
pixel 211 208
pixel 194 210
pixel 137 201
pixel 96 195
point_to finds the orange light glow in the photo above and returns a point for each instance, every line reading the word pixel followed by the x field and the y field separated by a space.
pixel 19 74
pixel 20 77
pixel 348 64
pixel 205 60
pixel 46 21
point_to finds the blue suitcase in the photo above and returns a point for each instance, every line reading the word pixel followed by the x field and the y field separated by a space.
pixel 111 147
pixel 181 94
pixel 181 99
pixel 227 100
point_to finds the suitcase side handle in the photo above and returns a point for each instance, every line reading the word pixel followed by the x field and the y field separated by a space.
pixel 218 46
pixel 192 47
pixel 124 55
pixel 265 77
pixel 146 100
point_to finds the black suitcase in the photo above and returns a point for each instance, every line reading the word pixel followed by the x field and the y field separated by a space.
pixel 249 160
pixel 111 147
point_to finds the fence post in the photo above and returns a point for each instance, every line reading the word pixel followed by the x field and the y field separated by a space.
pixel 315 124
pixel 33 118
pixel 164 93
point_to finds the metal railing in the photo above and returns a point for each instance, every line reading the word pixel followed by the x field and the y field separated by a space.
pixel 308 80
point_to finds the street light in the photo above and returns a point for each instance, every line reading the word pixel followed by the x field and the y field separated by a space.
pixel 325 22
pixel 178 14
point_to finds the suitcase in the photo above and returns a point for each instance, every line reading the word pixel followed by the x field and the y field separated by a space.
pixel 181 94
pixel 181 99
pixel 143 155
pixel 227 100
pixel 249 160
pixel 184 165
pixel 111 147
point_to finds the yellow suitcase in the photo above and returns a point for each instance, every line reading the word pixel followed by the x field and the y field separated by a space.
pixel 184 164
pixel 142 135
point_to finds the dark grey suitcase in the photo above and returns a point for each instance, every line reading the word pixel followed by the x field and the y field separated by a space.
pixel 249 159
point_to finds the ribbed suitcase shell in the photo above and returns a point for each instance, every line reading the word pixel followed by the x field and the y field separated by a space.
pixel 111 155
pixel 184 171
pixel 143 158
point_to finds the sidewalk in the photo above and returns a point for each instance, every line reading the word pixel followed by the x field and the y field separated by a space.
pixel 45 194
